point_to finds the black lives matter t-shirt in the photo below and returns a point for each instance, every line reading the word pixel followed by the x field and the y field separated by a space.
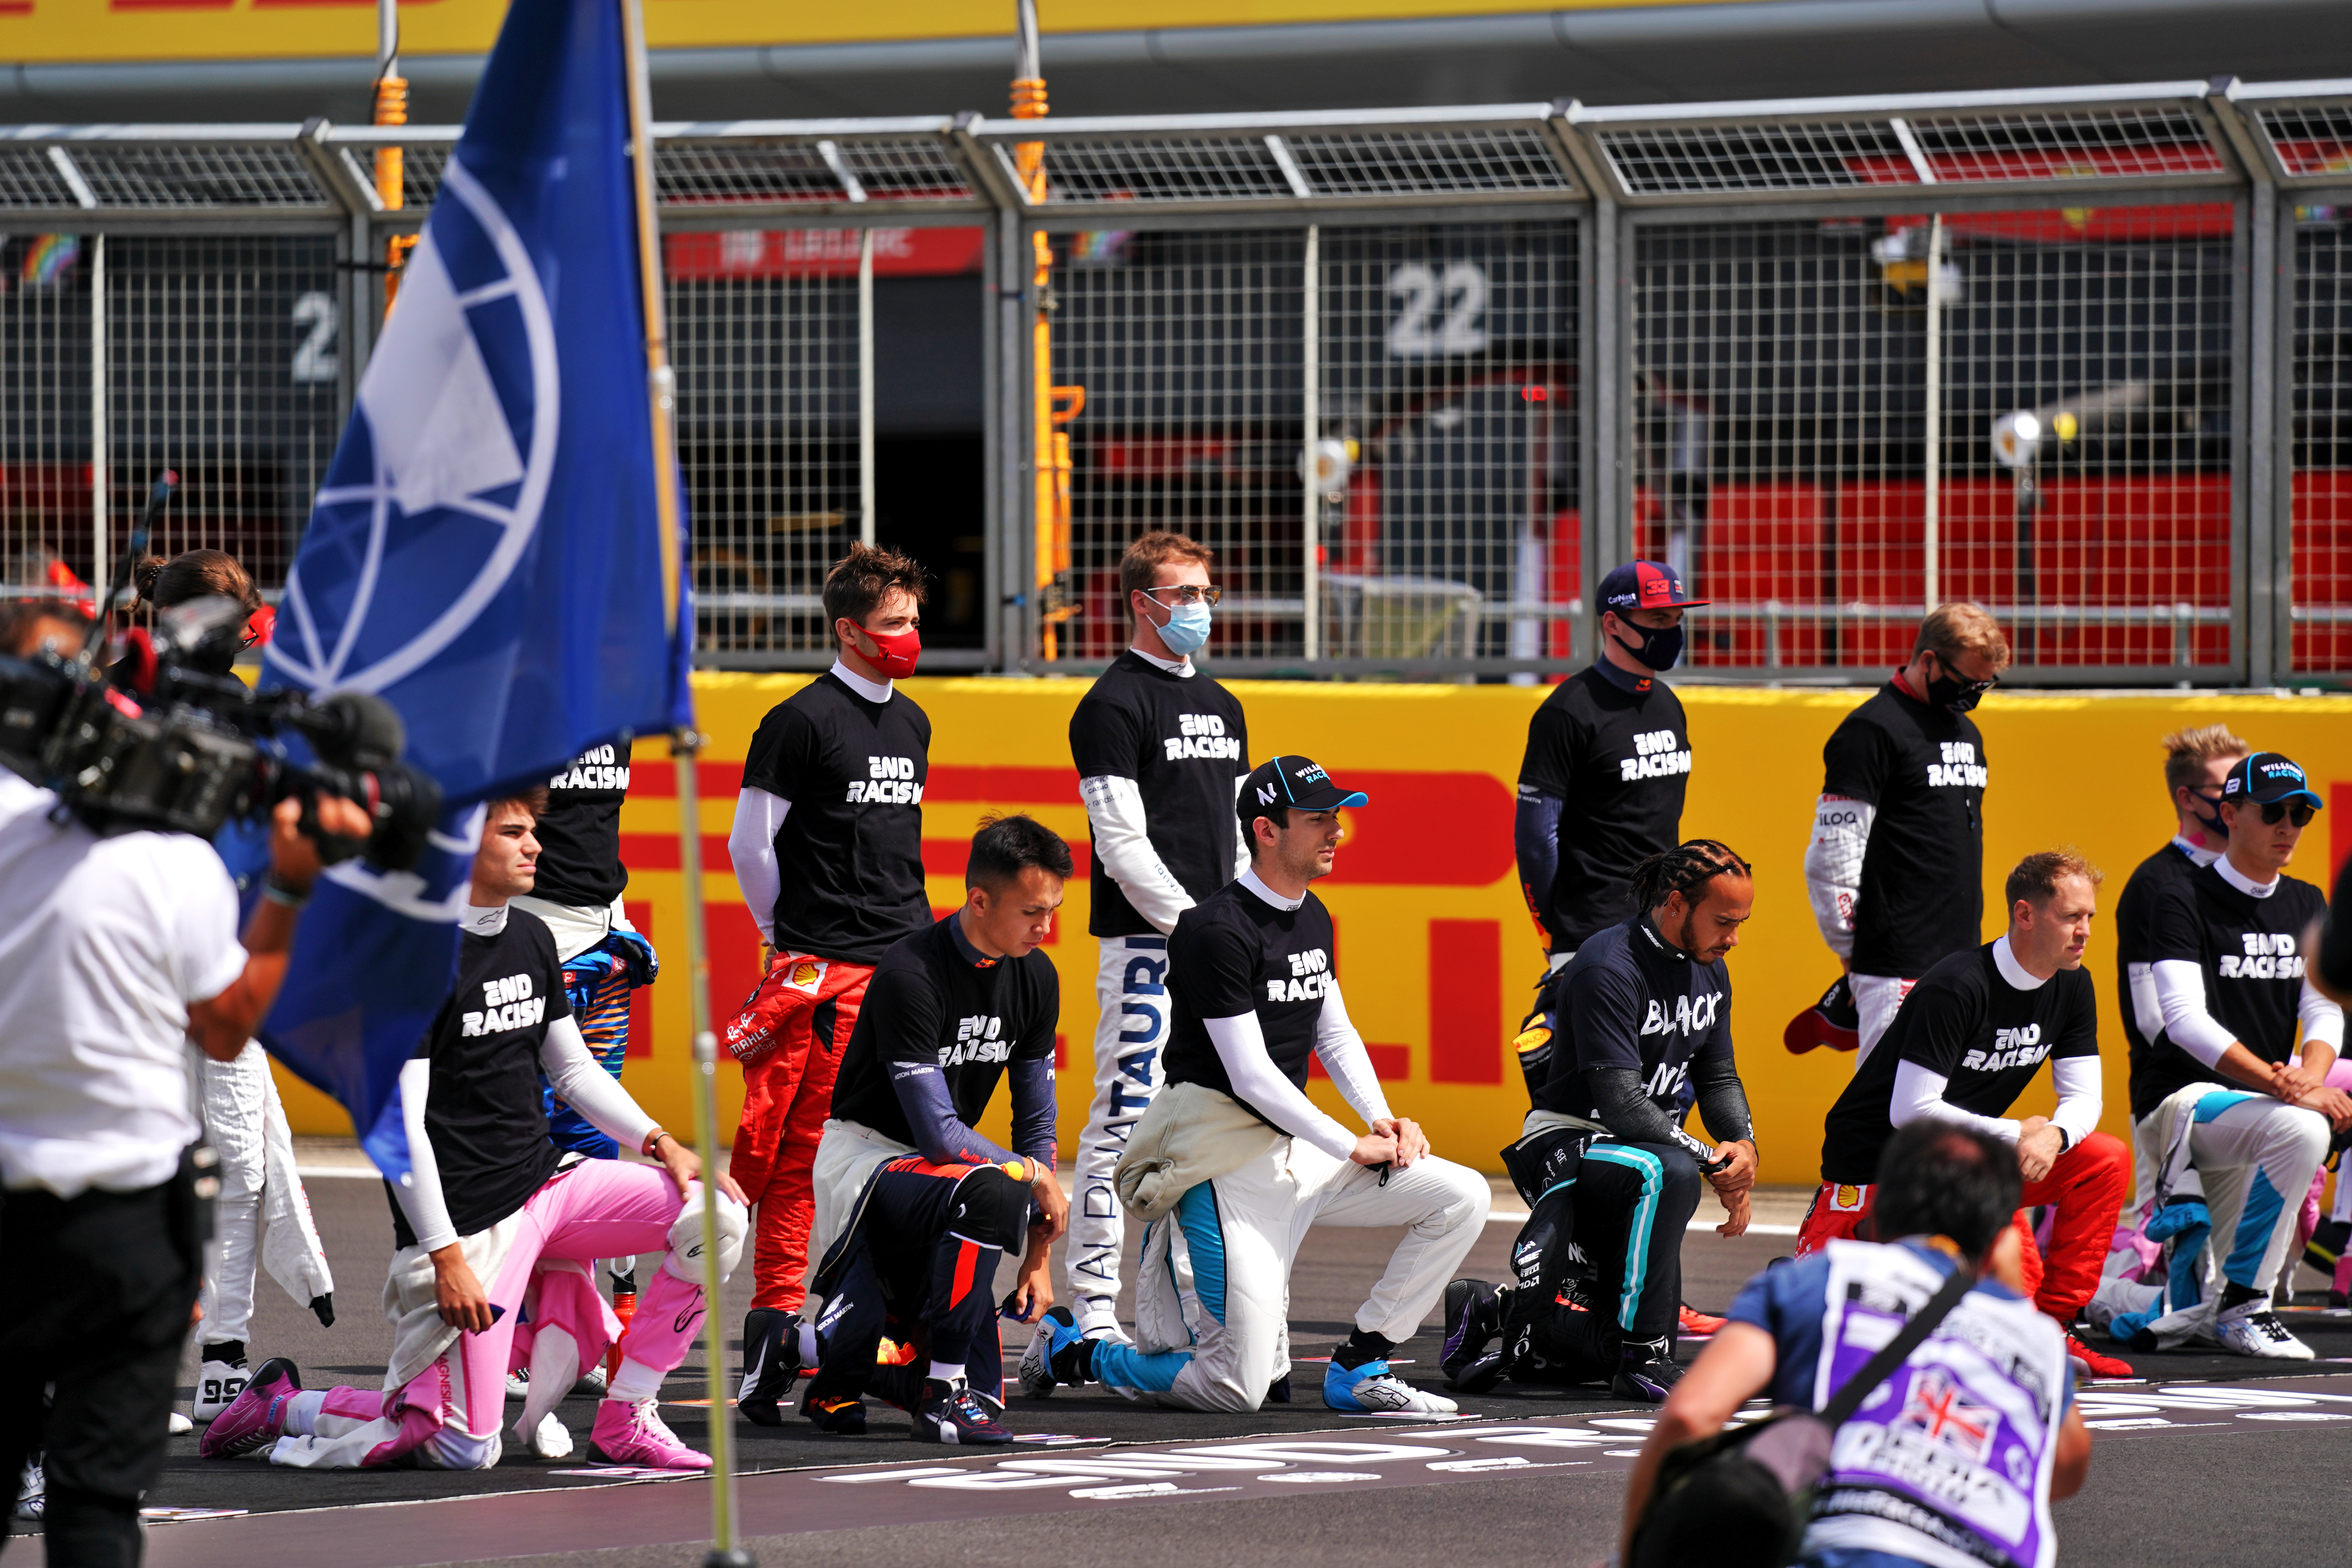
pixel 1631 1000
pixel 1987 1037
pixel 2250 951
pixel 849 856
pixel 929 1003
pixel 2151 881
pixel 1183 740
pixel 484 1115
pixel 1234 952
pixel 580 832
pixel 1922 767
pixel 1622 761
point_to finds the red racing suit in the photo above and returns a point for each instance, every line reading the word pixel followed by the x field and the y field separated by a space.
pixel 789 1038
pixel 2086 1185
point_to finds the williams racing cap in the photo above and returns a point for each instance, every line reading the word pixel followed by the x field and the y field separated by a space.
pixel 1293 781
pixel 2266 776
pixel 1645 586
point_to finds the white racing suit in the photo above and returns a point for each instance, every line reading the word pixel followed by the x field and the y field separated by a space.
pixel 2254 1156
pixel 264 1216
pixel 1213 1289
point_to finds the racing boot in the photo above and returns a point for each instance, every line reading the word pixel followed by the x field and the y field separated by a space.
pixel 632 1432
pixel 771 1364
pixel 2094 1364
pixel 1646 1371
pixel 2252 1329
pixel 256 1418
pixel 1694 1321
pixel 1473 1316
pixel 827 1415
pixel 952 1413
pixel 1058 1352
pixel 1358 1379
pixel 220 1378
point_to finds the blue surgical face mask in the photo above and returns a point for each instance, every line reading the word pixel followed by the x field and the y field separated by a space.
pixel 1187 631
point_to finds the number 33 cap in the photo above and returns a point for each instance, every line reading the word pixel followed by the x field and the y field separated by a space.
pixel 1293 782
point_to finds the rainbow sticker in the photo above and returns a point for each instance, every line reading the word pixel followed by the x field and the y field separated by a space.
pixel 49 258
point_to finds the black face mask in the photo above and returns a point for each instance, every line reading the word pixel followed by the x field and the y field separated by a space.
pixel 2212 823
pixel 1657 648
pixel 1948 690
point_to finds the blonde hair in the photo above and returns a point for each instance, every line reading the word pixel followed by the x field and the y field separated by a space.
pixel 1149 553
pixel 2187 752
pixel 1961 628
pixel 2036 877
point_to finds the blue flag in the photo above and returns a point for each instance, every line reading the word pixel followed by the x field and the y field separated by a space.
pixel 485 553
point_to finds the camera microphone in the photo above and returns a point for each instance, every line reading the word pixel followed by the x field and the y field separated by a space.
pixel 354 728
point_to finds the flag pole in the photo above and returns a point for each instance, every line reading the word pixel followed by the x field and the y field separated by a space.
pixel 661 386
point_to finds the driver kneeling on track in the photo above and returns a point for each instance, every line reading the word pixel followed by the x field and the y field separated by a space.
pixel 919 1263
pixel 1610 1176
pixel 497 1230
pixel 1232 1164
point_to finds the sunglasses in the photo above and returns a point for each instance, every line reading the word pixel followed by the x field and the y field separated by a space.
pixel 2277 811
pixel 1978 686
pixel 1186 594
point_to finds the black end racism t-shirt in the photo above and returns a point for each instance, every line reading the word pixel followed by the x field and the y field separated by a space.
pixel 2250 950
pixel 849 856
pixel 1922 767
pixel 1621 759
pixel 1234 952
pixel 580 832
pixel 1632 1001
pixel 484 1115
pixel 929 1003
pixel 1183 742
pixel 1987 1037
pixel 2151 881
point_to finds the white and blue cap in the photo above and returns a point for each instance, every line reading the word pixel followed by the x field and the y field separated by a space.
pixel 1293 782
pixel 2267 777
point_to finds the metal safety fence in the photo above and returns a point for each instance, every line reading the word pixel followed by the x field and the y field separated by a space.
pixel 1419 377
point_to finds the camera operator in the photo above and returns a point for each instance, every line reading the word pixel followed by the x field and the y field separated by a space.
pixel 117 950
pixel 1955 1458
pixel 262 1209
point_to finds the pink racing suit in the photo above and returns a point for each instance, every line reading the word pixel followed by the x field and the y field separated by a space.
pixel 448 1416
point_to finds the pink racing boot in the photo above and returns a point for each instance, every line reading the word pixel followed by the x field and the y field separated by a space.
pixel 633 1433
pixel 256 1417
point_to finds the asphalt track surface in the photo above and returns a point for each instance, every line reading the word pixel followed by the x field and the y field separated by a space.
pixel 2209 1460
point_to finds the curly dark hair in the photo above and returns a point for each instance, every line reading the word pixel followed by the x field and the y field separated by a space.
pixel 1686 869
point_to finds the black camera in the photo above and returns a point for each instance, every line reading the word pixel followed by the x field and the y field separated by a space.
pixel 164 738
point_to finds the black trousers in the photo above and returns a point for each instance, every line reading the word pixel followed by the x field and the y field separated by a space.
pixel 1622 1213
pixel 103 1286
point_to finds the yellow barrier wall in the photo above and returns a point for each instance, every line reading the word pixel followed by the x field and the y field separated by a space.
pixel 1436 952
pixel 56 30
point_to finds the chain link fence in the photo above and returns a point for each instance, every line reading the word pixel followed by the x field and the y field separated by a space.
pixel 217 357
pixel 1419 377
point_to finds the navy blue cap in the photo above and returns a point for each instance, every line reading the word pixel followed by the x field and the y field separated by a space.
pixel 2267 777
pixel 1645 586
pixel 1293 781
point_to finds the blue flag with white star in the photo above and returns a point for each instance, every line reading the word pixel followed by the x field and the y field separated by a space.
pixel 485 553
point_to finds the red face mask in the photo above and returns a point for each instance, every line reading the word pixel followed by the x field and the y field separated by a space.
pixel 896 652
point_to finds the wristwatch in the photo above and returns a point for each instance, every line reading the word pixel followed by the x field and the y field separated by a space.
pixel 652 1142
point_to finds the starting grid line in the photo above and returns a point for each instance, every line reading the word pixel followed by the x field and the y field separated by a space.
pixel 675 1510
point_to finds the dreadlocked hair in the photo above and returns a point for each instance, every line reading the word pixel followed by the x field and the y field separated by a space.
pixel 1684 869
